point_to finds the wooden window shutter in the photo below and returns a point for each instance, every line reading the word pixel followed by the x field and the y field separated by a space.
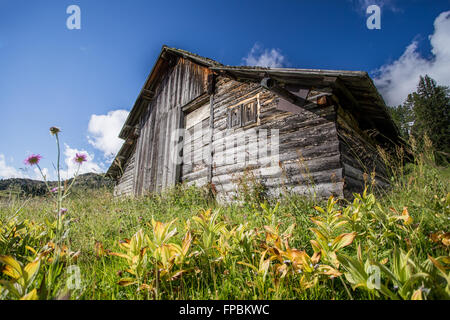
pixel 235 117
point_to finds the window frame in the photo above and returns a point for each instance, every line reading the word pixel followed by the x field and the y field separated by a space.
pixel 241 112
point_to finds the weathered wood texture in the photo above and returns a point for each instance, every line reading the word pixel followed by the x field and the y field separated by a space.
pixel 283 151
pixel 196 146
pixel 359 155
pixel 320 147
pixel 154 169
pixel 126 181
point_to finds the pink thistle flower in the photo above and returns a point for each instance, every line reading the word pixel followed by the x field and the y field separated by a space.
pixel 54 190
pixel 33 159
pixel 80 158
pixel 63 210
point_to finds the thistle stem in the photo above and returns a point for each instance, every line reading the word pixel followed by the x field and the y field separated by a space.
pixel 59 202
pixel 73 180
pixel 45 179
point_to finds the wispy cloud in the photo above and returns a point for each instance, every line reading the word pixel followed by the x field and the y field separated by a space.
pixel 38 175
pixel 104 131
pixel 399 78
pixel 272 58
pixel 8 171
pixel 362 5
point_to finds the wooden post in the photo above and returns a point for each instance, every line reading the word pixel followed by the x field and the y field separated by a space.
pixel 211 131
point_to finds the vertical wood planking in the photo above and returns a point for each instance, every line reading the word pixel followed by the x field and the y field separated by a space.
pixel 153 169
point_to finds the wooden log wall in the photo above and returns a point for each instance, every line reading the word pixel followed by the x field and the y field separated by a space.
pixel 125 185
pixel 305 157
pixel 359 155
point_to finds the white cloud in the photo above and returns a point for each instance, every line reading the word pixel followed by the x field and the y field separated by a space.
pixel 264 57
pixel 7 171
pixel 67 171
pixel 399 78
pixel 105 130
pixel 71 166
pixel 38 175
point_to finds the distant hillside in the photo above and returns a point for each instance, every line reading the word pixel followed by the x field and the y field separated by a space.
pixel 38 188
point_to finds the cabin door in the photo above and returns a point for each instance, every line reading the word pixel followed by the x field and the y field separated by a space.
pixel 194 169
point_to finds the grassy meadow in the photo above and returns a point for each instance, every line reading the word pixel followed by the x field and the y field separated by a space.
pixel 391 244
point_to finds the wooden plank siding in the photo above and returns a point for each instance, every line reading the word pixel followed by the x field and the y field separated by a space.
pixel 124 187
pixel 196 146
pixel 305 155
pixel 153 169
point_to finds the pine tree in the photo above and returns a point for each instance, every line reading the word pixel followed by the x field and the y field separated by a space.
pixel 431 109
pixel 403 117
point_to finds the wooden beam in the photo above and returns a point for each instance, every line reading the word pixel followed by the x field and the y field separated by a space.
pixel 354 106
pixel 211 135
pixel 147 94
pixel 292 102
pixel 196 103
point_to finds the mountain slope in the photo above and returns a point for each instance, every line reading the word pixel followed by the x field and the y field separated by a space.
pixel 38 188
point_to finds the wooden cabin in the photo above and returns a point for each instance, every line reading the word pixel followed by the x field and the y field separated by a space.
pixel 199 122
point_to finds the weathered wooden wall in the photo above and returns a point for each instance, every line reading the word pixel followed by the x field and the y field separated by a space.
pixel 317 149
pixel 305 157
pixel 359 155
pixel 153 169
pixel 196 146
pixel 125 184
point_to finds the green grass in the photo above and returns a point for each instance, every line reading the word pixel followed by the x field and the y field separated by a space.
pixel 99 218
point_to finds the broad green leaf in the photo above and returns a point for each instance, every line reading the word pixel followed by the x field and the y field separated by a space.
pixel 343 240
pixel 15 269
pixel 31 269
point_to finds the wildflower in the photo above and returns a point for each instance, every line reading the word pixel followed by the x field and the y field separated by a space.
pixel 80 158
pixel 54 130
pixel 33 159
pixel 329 244
pixel 54 190
pixel 63 210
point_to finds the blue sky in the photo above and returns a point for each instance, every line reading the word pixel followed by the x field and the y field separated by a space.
pixel 53 76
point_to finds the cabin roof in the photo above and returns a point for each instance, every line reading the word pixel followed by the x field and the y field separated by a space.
pixel 357 86
pixel 147 90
